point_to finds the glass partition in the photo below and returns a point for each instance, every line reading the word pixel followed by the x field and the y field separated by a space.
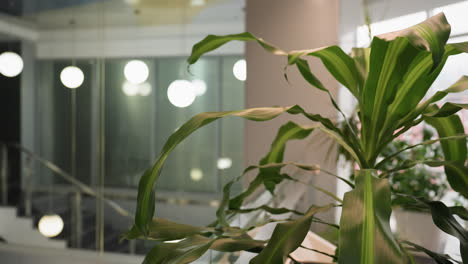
pixel 138 119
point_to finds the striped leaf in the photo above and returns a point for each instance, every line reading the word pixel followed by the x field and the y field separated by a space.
pixel 193 247
pixel 447 109
pixel 337 62
pixel 459 86
pixel 365 235
pixel 287 237
pixel 430 35
pixel 212 42
pixel 455 151
pixel 164 230
pixel 146 195
pixel 361 57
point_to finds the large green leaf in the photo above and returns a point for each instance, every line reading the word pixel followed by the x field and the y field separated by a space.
pixel 365 236
pixel 389 62
pixel 403 66
pixel 443 218
pixel 146 199
pixel 455 151
pixel 287 237
pixel 430 35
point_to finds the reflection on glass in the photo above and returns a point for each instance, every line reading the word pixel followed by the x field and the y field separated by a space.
pixel 138 119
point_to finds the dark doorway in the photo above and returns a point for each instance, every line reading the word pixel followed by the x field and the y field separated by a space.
pixel 10 124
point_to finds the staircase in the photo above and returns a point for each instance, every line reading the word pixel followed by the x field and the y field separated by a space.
pixel 21 231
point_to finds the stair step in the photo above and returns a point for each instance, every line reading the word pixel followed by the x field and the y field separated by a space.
pixel 21 231
pixel 7 211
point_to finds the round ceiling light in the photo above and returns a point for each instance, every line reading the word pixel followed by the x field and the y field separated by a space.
pixel 240 70
pixel 196 174
pixel 11 64
pixel 72 77
pixel 181 93
pixel 50 225
pixel 224 163
pixel 136 72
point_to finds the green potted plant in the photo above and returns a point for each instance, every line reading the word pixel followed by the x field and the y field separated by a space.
pixel 389 81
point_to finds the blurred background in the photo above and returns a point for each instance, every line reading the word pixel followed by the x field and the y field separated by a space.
pixel 91 89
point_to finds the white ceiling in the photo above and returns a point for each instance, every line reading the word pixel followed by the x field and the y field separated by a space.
pixel 131 13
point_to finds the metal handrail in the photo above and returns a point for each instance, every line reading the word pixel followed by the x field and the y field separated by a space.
pixel 82 187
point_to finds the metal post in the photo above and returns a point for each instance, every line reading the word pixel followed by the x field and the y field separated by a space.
pixel 76 219
pixel 28 186
pixel 132 247
pixel 4 174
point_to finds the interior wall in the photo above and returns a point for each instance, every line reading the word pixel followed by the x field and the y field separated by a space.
pixel 299 24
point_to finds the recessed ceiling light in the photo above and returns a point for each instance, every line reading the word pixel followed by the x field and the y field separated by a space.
pixel 198 2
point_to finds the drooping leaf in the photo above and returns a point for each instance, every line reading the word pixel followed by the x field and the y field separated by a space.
pixel 146 199
pixel 287 237
pixel 460 211
pixel 306 167
pixel 340 65
pixel 438 258
pixel 271 176
pixel 213 42
pixel 431 35
pixel 304 69
pixel 337 62
pixel 443 219
pixel 365 235
pixel 427 142
pixel 447 109
pixel 164 230
pixel 183 252
pixel 237 244
pixel 193 247
pixel 455 151
pixel 407 121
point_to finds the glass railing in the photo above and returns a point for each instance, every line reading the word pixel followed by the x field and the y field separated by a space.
pixel 69 214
